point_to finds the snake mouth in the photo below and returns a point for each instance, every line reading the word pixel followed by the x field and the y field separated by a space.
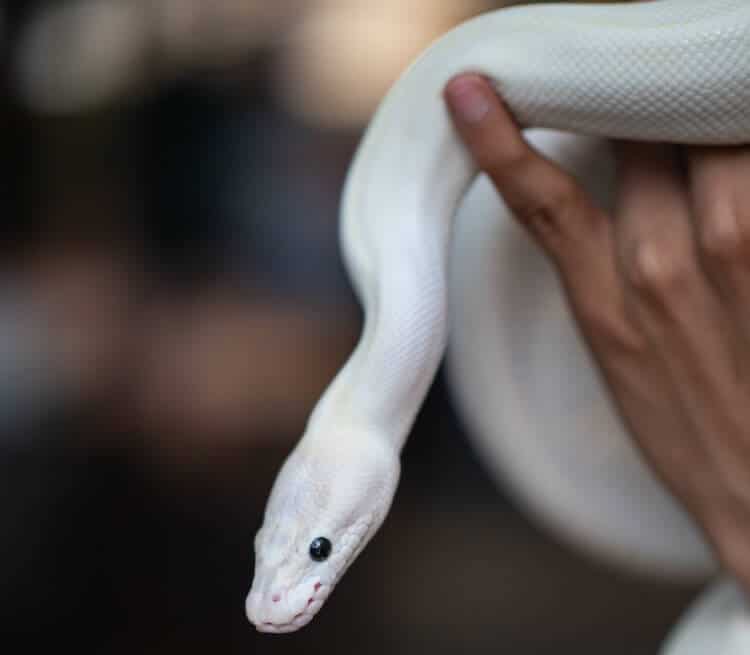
pixel 301 618
pixel 299 621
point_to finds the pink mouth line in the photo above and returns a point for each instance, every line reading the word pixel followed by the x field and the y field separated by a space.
pixel 295 623
pixel 292 625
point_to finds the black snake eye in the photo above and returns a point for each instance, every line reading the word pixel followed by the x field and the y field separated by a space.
pixel 320 549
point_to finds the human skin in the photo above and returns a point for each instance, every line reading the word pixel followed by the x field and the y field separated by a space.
pixel 660 289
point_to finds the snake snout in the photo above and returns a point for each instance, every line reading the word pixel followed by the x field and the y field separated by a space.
pixel 280 611
pixel 269 610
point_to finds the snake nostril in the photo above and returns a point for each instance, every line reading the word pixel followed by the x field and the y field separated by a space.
pixel 276 598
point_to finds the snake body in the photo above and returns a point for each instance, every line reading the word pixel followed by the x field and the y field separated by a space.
pixel 669 70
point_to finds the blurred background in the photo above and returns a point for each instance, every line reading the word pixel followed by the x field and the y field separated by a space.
pixel 172 302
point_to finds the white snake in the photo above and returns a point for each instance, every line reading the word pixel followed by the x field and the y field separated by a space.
pixel 669 70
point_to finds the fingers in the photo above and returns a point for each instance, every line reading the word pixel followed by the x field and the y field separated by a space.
pixel 664 283
pixel 653 232
pixel 548 202
pixel 677 308
pixel 580 240
pixel 720 194
pixel 543 197
pixel 662 331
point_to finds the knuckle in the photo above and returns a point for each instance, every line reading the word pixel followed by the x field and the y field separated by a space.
pixel 563 199
pixel 656 270
pixel 721 239
pixel 559 207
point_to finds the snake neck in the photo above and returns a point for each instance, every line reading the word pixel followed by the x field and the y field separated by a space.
pixel 386 378
pixel 395 232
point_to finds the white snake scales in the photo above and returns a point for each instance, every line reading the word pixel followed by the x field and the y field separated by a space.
pixel 669 70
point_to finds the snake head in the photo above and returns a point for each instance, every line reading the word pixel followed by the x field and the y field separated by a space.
pixel 327 502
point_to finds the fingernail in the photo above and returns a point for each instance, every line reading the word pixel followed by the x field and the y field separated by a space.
pixel 468 99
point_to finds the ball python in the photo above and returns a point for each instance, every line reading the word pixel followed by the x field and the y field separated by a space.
pixel 666 70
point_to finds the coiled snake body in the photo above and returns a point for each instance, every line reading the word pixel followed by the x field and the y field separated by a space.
pixel 670 70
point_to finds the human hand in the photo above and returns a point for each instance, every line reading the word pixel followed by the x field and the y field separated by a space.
pixel 661 293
